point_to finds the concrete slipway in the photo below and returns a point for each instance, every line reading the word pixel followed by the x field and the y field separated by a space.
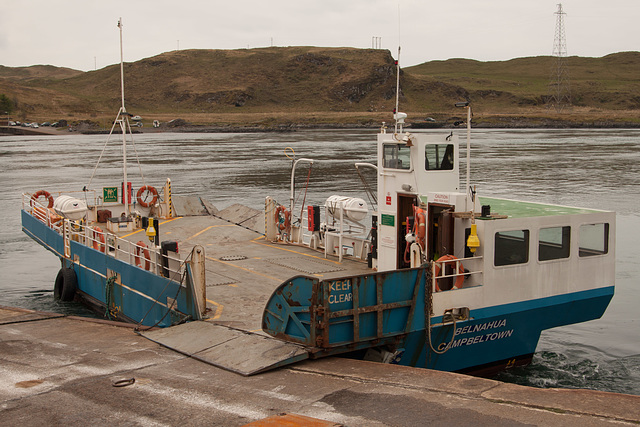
pixel 57 370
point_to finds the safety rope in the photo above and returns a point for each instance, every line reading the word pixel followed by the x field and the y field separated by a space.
pixel 306 188
pixel 239 224
pixel 169 308
pixel 135 150
pixel 102 153
pixel 428 312
pixel 373 199
pixel 127 126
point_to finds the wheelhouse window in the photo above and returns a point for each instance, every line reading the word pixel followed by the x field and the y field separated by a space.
pixel 396 156
pixel 438 157
pixel 511 247
pixel 594 239
pixel 554 243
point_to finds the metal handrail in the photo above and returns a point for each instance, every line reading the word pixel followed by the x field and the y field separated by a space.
pixel 112 245
pixel 458 262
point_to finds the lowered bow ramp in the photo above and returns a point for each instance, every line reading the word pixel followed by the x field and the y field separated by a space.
pixel 238 351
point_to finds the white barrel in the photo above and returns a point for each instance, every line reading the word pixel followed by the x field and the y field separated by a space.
pixel 354 209
pixel 70 207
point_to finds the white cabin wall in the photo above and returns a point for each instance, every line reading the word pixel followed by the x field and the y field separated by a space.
pixel 416 182
pixel 539 279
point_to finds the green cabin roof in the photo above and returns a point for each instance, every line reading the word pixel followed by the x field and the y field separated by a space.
pixel 518 209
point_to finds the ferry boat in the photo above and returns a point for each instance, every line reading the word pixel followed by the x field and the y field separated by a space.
pixel 459 281
pixel 436 275
pixel 108 244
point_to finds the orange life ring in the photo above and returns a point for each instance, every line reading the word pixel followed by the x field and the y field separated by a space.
pixel 48 216
pixel 149 189
pixel 44 193
pixel 98 239
pixel 420 226
pixel 142 247
pixel 283 218
pixel 459 278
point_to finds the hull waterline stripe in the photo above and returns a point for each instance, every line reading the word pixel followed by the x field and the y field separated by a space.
pixel 37 239
pixel 93 271
pixel 123 285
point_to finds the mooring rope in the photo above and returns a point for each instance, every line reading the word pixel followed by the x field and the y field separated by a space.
pixel 428 311
pixel 155 301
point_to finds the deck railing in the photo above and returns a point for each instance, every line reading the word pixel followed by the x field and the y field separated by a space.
pixel 460 272
pixel 343 240
pixel 140 254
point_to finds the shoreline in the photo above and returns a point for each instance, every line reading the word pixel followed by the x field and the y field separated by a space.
pixel 492 122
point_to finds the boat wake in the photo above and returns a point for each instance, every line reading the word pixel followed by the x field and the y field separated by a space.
pixel 557 370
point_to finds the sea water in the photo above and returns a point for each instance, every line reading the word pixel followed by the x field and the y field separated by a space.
pixel 587 168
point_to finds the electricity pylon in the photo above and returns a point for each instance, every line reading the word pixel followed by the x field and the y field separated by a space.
pixel 559 87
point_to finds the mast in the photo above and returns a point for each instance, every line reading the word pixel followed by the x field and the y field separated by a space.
pixel 122 118
pixel 396 115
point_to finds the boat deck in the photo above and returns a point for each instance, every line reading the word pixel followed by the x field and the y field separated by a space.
pixel 242 269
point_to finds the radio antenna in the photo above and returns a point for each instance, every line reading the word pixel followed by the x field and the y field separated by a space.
pixel 395 110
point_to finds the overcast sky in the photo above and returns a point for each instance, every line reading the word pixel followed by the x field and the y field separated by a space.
pixel 83 34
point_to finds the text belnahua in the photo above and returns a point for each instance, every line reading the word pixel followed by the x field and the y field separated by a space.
pixel 481 327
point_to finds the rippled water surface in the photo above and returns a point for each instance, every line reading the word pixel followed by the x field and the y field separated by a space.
pixel 588 168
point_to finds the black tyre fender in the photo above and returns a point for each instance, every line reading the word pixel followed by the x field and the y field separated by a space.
pixel 66 284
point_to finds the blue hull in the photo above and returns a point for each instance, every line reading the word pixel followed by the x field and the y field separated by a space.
pixel 502 336
pixel 132 295
pixel 387 310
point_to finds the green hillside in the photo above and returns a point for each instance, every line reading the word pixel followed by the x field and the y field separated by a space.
pixel 611 82
pixel 329 85
pixel 36 71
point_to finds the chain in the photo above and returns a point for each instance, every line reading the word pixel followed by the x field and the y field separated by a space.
pixel 428 312
pixel 107 298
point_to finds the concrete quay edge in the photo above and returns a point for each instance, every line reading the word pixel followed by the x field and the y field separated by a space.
pixel 63 370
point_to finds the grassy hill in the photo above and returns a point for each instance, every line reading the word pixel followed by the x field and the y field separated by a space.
pixel 36 71
pixel 611 82
pixel 322 85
